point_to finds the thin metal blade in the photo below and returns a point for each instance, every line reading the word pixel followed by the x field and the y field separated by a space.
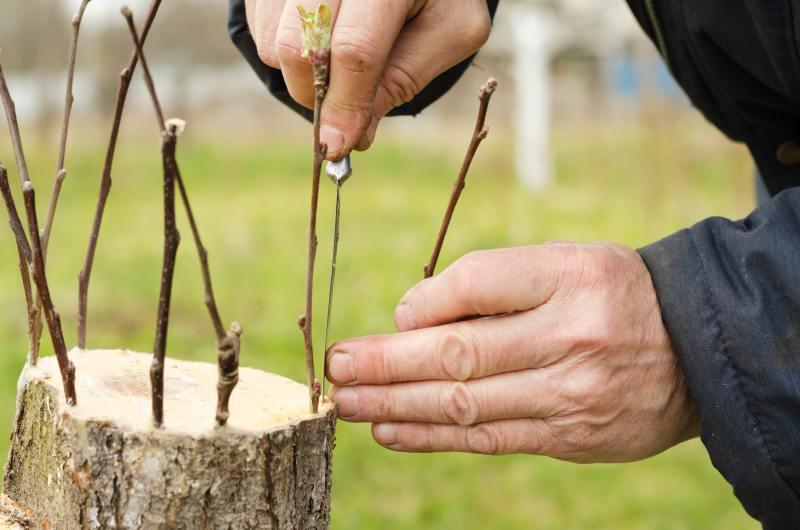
pixel 339 172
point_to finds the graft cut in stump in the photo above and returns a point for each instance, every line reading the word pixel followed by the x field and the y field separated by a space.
pixel 102 464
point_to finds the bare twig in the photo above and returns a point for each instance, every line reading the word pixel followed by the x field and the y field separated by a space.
pixel 61 174
pixel 479 134
pixel 69 98
pixel 36 259
pixel 316 48
pixel 171 242
pixel 51 315
pixel 24 255
pixel 105 180
pixel 228 344
pixel 169 139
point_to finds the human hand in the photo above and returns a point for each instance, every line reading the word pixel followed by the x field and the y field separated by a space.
pixel 569 358
pixel 383 53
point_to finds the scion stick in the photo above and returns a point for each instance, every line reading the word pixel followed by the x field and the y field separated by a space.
pixel 316 48
pixel 478 135
pixel 228 344
pixel 105 179
pixel 171 236
pixel 36 263
pixel 61 174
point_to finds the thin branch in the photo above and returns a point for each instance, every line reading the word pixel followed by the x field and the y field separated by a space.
pixel 316 43
pixel 169 140
pixel 105 180
pixel 69 98
pixel 35 256
pixel 228 344
pixel 51 316
pixel 171 242
pixel 61 174
pixel 478 135
pixel 305 321
pixel 148 78
pixel 24 255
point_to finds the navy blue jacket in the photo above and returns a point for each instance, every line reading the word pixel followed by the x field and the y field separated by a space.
pixel 729 290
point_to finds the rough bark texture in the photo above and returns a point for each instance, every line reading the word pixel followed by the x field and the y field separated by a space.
pixel 94 467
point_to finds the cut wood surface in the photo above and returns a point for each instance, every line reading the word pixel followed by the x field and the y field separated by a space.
pixel 102 464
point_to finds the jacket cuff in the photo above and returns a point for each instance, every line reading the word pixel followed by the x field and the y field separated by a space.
pixel 692 316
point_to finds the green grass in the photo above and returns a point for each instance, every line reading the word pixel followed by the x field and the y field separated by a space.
pixel 628 186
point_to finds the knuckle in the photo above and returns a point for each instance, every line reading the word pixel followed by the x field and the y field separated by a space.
pixel 287 48
pixel 266 51
pixel 353 50
pixel 399 84
pixel 459 404
pixel 484 439
pixel 462 275
pixel 458 355
pixel 475 33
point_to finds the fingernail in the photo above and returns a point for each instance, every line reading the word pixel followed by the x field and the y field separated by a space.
pixel 404 317
pixel 341 369
pixel 385 433
pixel 347 402
pixel 333 138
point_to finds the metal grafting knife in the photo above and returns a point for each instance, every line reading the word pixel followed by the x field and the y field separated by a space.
pixel 338 172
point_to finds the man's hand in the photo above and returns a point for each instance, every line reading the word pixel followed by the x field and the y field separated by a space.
pixel 383 53
pixel 555 350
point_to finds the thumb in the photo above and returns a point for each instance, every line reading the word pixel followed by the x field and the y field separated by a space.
pixel 486 283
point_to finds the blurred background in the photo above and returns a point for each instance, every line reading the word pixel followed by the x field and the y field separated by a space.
pixel 590 140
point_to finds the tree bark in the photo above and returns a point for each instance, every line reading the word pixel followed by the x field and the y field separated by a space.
pixel 102 464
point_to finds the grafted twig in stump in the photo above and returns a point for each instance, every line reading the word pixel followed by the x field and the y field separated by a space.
pixel 228 344
pixel 171 241
pixel 36 260
pixel 478 135
pixel 51 315
pixel 105 180
pixel 316 48
pixel 172 238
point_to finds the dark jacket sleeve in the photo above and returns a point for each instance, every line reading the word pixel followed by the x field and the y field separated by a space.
pixel 273 79
pixel 730 299
pixel 730 291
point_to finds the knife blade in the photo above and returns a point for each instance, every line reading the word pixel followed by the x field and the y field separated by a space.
pixel 338 172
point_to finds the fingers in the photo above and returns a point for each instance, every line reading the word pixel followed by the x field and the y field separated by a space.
pixel 363 37
pixel 426 48
pixel 297 70
pixel 263 18
pixel 454 352
pixel 484 283
pixel 531 436
pixel 524 394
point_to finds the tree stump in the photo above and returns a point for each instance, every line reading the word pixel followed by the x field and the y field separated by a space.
pixel 101 464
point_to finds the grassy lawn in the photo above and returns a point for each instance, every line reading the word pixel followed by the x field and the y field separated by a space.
pixel 628 186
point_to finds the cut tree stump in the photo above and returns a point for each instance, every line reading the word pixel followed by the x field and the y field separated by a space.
pixel 101 464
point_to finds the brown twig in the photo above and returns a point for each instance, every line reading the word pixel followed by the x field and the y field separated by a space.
pixel 69 98
pixel 36 260
pixel 61 174
pixel 105 180
pixel 169 139
pixel 24 255
pixel 478 135
pixel 305 321
pixel 171 242
pixel 51 315
pixel 316 48
pixel 228 344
